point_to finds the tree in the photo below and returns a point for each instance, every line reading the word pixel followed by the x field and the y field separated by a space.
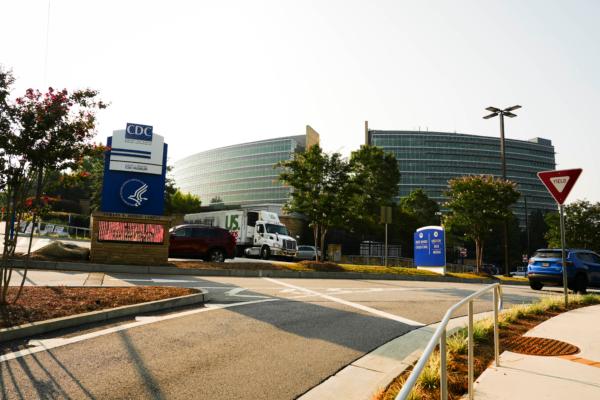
pixel 40 132
pixel 477 203
pixel 374 176
pixel 424 209
pixel 414 211
pixel 182 203
pixel 582 226
pixel 321 189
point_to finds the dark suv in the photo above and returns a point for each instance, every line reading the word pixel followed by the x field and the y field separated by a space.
pixel 583 269
pixel 199 241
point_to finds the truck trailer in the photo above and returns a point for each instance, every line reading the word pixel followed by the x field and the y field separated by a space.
pixel 258 233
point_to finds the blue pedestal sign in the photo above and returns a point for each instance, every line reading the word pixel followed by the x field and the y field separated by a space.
pixel 135 168
pixel 430 248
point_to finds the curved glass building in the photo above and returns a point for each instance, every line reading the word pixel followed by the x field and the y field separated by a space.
pixel 428 160
pixel 241 174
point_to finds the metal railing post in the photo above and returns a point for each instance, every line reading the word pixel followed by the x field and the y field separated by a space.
pixel 471 351
pixel 443 367
pixel 496 339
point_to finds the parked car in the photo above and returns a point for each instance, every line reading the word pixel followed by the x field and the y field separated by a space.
pixel 583 269
pixel 199 241
pixel 307 252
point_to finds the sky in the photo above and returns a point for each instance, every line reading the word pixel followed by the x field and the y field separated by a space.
pixel 208 74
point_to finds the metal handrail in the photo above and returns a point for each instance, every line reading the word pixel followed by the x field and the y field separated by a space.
pixel 440 336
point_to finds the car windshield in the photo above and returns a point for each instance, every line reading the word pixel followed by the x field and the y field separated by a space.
pixel 280 229
pixel 548 254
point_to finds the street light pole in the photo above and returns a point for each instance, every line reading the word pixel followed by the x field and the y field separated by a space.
pixel 501 113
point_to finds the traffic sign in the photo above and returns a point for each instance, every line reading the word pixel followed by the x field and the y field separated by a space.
pixel 560 183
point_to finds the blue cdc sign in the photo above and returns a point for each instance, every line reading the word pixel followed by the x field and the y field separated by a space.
pixel 134 172
pixel 430 247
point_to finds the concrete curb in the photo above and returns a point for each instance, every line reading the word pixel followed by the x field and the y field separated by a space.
pixel 167 270
pixel 363 378
pixel 41 327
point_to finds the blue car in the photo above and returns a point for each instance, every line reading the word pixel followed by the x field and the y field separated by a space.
pixel 583 269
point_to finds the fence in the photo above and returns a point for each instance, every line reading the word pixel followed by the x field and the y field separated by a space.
pixel 55 230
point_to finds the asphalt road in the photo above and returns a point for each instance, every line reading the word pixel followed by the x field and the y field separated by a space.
pixel 258 338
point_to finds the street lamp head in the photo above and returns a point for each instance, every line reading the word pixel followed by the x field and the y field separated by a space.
pixel 509 114
pixel 493 109
pixel 490 116
pixel 513 108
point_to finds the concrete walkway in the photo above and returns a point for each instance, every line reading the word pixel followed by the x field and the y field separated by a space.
pixel 535 377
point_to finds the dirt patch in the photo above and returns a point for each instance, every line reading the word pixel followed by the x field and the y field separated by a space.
pixel 38 303
pixel 252 266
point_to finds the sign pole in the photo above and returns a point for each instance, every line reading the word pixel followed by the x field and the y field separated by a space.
pixel 386 246
pixel 563 245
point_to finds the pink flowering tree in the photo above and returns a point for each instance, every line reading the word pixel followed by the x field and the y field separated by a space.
pixel 39 133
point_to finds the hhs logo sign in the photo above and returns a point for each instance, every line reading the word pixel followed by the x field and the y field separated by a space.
pixel 138 132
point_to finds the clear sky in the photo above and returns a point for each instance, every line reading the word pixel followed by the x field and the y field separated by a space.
pixel 212 73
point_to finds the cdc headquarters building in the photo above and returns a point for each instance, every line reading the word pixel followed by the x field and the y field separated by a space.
pixel 428 160
pixel 242 174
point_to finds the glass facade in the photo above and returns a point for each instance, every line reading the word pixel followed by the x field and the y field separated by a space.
pixel 429 159
pixel 242 174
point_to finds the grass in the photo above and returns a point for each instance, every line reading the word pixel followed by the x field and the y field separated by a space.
pixel 512 322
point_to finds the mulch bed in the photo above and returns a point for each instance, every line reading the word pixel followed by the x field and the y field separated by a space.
pixel 38 303
pixel 252 266
pixel 484 356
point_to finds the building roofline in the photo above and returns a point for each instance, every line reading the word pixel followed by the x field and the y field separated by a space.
pixel 392 132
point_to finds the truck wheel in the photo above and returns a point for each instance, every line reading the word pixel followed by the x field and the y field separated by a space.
pixel 216 255
pixel 265 253
pixel 580 285
pixel 536 285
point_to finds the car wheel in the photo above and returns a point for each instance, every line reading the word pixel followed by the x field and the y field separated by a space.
pixel 536 285
pixel 265 253
pixel 580 284
pixel 216 255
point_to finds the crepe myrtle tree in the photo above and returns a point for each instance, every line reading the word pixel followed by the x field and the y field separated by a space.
pixel 477 204
pixel 40 132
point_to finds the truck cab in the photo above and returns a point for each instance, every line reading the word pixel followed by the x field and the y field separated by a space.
pixel 270 237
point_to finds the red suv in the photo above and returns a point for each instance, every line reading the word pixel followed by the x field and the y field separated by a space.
pixel 198 241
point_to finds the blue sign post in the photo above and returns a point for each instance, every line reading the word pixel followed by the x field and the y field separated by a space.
pixel 430 248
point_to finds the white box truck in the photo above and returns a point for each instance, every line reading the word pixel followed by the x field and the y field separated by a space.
pixel 257 232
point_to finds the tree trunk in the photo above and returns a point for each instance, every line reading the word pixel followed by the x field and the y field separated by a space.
pixel 316 237
pixel 323 234
pixel 477 255
pixel 38 195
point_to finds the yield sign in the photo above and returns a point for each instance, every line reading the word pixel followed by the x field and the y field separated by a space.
pixel 560 183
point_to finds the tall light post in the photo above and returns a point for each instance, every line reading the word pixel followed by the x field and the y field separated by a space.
pixel 502 113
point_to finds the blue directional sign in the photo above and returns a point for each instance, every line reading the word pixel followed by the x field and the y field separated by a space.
pixel 135 169
pixel 430 247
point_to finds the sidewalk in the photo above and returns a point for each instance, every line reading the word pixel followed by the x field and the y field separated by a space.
pixel 535 377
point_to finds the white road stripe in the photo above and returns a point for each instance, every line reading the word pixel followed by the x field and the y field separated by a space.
pixel 349 303
pixel 47 344
pixel 235 293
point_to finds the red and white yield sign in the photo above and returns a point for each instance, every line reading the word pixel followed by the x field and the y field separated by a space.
pixel 560 183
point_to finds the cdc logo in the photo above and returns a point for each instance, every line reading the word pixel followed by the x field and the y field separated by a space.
pixel 132 192
pixel 138 132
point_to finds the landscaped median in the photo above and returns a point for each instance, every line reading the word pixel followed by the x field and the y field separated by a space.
pixel 513 322
pixel 276 269
pixel 41 309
